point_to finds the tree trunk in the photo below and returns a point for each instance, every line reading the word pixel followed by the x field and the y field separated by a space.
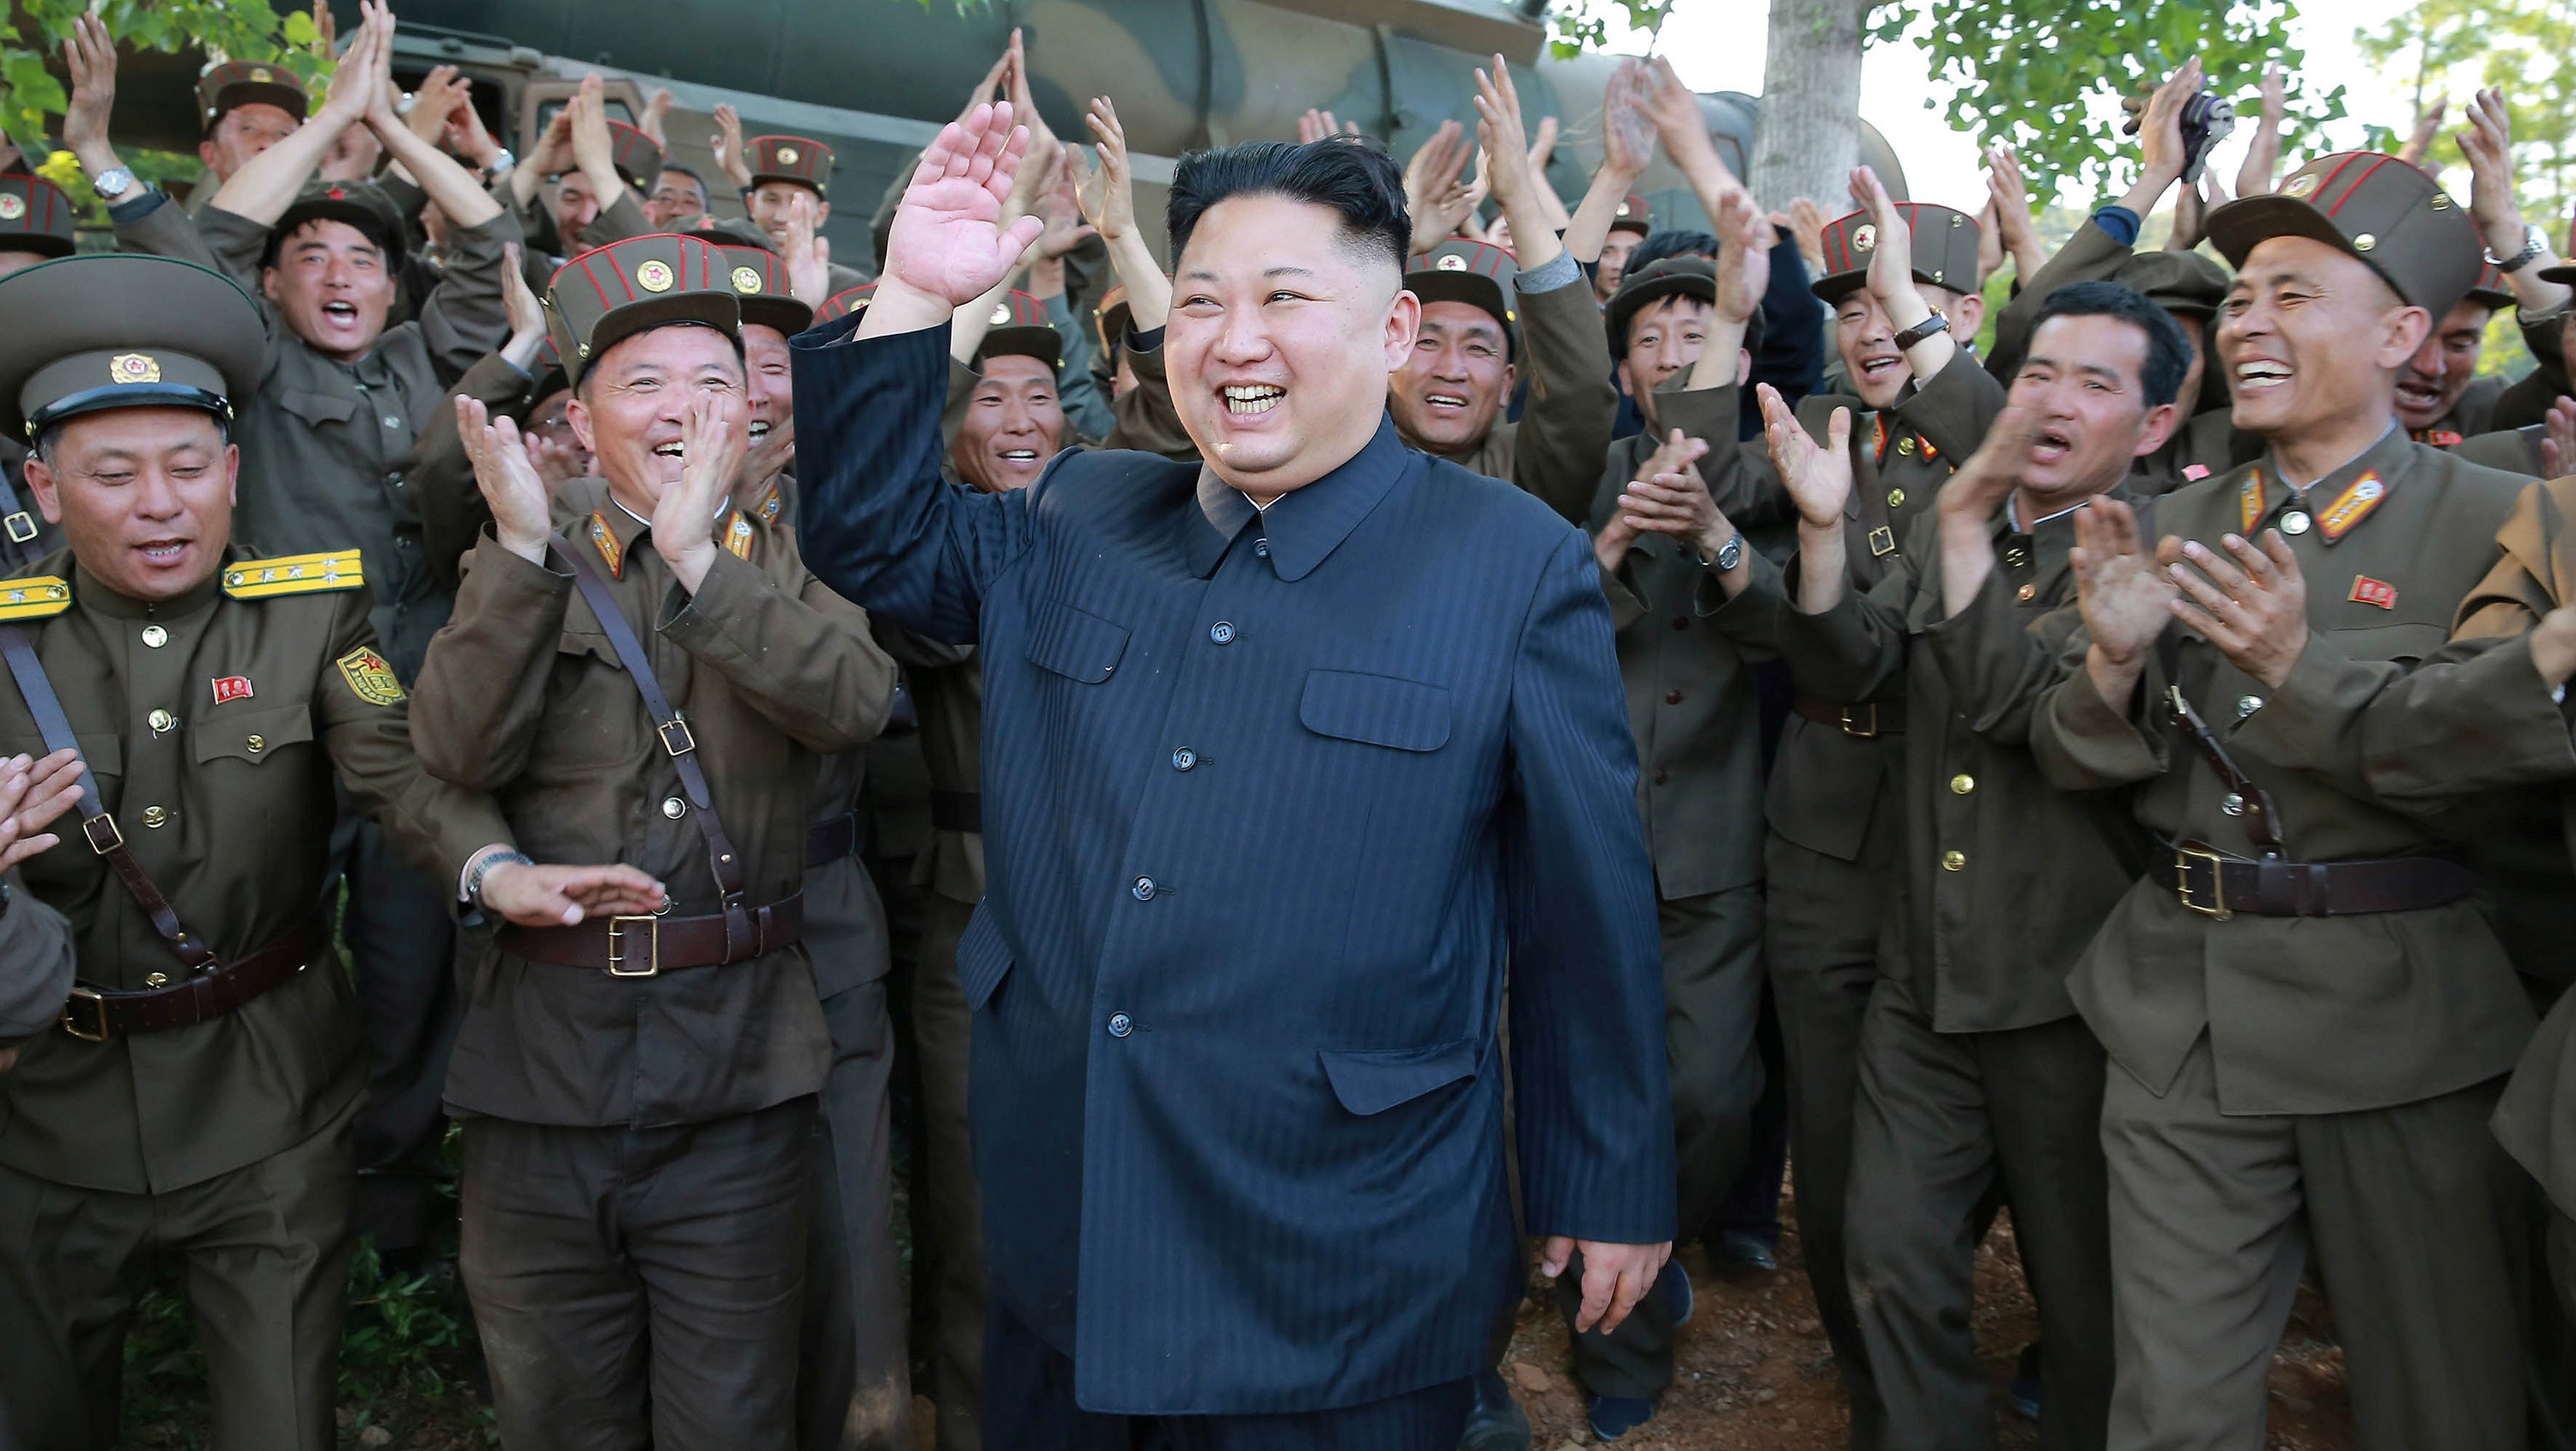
pixel 1807 137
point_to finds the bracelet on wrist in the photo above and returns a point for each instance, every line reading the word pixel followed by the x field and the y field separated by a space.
pixel 483 868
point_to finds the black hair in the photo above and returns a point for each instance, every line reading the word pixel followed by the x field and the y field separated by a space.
pixel 1349 174
pixel 2168 351
pixel 581 390
pixel 275 246
pixel 705 197
pixel 50 437
pixel 1672 242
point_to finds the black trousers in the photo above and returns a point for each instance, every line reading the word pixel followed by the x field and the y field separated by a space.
pixel 1029 1406
pixel 640 1287
pixel 1943 1120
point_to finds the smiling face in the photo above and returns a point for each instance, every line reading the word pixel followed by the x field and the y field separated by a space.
pixel 1284 331
pixel 1664 337
pixel 2084 381
pixel 332 288
pixel 242 133
pixel 677 198
pixel 1867 340
pixel 2312 338
pixel 1614 261
pixel 575 207
pixel 1014 423
pixel 144 495
pixel 771 379
pixel 770 202
pixel 1455 381
pixel 2430 384
pixel 634 399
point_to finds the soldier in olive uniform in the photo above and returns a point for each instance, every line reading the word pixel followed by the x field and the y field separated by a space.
pixel 198 1099
pixel 1894 278
pixel 791 174
pixel 246 108
pixel 2307 1012
pixel 638 1093
pixel 1977 1079
pixel 327 444
pixel 36 221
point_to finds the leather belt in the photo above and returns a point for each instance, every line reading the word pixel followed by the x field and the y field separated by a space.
pixel 1866 721
pixel 96 1014
pixel 2216 884
pixel 828 841
pixel 957 811
pixel 649 946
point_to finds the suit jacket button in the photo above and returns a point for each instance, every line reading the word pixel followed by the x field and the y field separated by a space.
pixel 1120 1025
pixel 1184 758
pixel 1142 890
pixel 1222 632
pixel 1261 549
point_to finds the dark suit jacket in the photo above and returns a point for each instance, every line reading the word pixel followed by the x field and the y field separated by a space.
pixel 1265 817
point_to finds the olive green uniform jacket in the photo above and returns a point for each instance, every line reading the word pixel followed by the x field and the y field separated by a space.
pixel 523 696
pixel 2304 1015
pixel 1554 449
pixel 2001 879
pixel 228 805
pixel 327 447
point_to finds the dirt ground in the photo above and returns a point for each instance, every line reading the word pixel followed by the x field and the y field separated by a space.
pixel 1756 1372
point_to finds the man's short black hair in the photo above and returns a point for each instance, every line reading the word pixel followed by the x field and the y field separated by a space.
pixel 2168 351
pixel 1673 242
pixel 581 390
pixel 700 181
pixel 1349 174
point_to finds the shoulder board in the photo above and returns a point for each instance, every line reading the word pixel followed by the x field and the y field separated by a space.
pixel 293 574
pixel 33 598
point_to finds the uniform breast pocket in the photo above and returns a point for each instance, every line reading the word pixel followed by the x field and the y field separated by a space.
pixel 252 736
pixel 2402 641
pixel 1075 643
pixel 1380 710
pixel 315 407
pixel 104 753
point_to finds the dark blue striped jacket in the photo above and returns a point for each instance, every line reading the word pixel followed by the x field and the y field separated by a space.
pixel 1264 820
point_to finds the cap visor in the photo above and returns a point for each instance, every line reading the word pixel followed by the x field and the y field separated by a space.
pixel 1472 288
pixel 1024 342
pixel 717 310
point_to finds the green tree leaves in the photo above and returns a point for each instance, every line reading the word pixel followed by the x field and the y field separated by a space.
pixel 32 34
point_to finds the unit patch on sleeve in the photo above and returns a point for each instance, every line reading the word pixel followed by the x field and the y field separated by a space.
pixel 370 678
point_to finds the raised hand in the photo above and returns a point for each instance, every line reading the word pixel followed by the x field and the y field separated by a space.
pixel 1627 130
pixel 2251 603
pixel 1819 479
pixel 1433 192
pixel 948 245
pixel 1668 496
pixel 1107 192
pixel 90 55
pixel 1807 224
pixel 715 433
pixel 1315 125
pixel 2125 599
pixel 657 110
pixel 1743 258
pixel 435 104
pixel 2558 439
pixel 727 144
pixel 354 80
pixel 1891 262
pixel 520 303
pixel 1981 485
pixel 521 505
pixel 1501 135
pixel 806 253
pixel 2487 141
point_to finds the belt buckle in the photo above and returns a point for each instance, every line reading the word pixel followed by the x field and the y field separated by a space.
pixel 1854 729
pixel 617 927
pixel 2184 856
pixel 21 526
pixel 113 841
pixel 1882 542
pixel 98 1010
pixel 675 736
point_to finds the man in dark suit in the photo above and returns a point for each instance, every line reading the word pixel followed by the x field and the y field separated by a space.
pixel 1284 758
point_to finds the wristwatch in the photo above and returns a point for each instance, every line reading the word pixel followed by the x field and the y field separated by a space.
pixel 502 161
pixel 111 183
pixel 1728 556
pixel 2534 242
pixel 1936 323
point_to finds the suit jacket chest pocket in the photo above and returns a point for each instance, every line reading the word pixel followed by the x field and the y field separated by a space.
pixel 1075 643
pixel 1378 710
pixel 252 737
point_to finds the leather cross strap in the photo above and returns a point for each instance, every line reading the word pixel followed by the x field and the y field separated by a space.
pixel 828 841
pixel 2218 885
pixel 96 824
pixel 1865 721
pixel 18 527
pixel 2262 822
pixel 742 934
pixel 95 1014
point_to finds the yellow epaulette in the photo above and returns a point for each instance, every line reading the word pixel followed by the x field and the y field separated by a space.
pixel 293 574
pixel 34 598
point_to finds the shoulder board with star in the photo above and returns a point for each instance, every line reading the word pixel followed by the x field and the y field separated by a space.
pixel 293 574
pixel 33 597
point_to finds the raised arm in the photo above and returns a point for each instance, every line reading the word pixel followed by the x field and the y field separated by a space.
pixel 267 184
pixel 1627 147
pixel 2488 143
pixel 90 55
pixel 879 524
pixel 2263 154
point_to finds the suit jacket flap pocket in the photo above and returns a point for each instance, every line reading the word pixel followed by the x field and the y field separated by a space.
pixel 1373 1080
pixel 983 959
pixel 1076 643
pixel 1382 710
pixel 252 735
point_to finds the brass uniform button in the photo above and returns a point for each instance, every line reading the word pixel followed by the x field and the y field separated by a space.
pixel 1962 784
pixel 255 744
pixel 156 979
pixel 1905 446
pixel 1954 861
pixel 2026 593
pixel 1896 498
pixel 154 637
pixel 155 816
pixel 161 720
